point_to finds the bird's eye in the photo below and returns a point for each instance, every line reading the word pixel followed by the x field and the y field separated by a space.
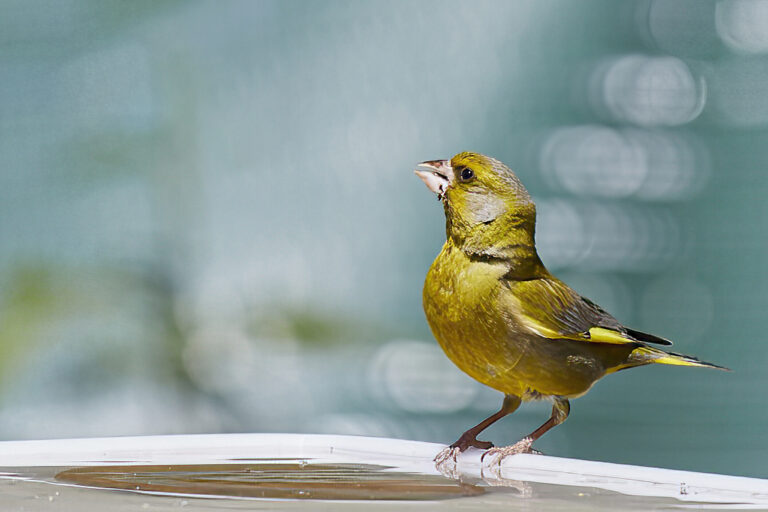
pixel 467 174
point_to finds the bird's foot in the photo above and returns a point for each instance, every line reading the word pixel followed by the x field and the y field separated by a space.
pixel 446 461
pixel 468 439
pixel 496 455
pixel 447 453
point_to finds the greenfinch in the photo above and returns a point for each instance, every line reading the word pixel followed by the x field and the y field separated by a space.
pixel 499 314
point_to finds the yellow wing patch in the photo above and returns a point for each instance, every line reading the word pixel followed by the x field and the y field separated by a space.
pixel 546 332
pixel 594 335
pixel 603 335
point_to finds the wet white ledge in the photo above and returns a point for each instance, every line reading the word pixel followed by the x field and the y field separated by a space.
pixel 408 456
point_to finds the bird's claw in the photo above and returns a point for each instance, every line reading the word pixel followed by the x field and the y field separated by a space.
pixel 446 462
pixel 498 454
pixel 449 452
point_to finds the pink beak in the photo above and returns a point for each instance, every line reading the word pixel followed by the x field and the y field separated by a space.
pixel 438 177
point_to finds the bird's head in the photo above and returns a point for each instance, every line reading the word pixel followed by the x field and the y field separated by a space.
pixel 485 203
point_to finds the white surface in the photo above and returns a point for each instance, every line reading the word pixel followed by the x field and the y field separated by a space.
pixel 409 456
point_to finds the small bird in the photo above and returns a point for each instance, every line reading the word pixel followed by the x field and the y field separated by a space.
pixel 499 314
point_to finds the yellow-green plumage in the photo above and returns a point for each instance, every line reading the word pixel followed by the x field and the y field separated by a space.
pixel 472 310
pixel 497 312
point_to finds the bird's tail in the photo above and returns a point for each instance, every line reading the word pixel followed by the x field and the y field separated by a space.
pixel 646 355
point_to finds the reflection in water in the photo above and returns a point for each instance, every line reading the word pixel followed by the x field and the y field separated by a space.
pixel 289 480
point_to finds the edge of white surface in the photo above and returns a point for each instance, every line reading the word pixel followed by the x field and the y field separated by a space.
pixel 209 448
pixel 413 456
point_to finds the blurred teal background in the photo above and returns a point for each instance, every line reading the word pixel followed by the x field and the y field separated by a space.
pixel 209 221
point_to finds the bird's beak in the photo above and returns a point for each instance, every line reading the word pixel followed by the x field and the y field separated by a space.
pixel 437 175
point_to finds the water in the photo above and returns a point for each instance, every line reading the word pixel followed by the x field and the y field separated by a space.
pixel 289 485
pixel 289 472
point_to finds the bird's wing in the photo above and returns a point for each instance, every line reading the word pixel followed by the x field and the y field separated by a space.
pixel 550 308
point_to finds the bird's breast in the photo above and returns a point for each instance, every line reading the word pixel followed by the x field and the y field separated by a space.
pixel 462 305
pixel 472 314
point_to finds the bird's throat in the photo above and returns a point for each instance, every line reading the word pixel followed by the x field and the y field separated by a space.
pixel 508 240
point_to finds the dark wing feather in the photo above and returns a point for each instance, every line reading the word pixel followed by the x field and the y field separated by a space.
pixel 647 338
pixel 550 308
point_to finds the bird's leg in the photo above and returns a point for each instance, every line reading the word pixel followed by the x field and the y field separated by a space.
pixel 560 410
pixel 469 438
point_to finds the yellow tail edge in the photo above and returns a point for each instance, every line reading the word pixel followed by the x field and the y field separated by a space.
pixel 647 355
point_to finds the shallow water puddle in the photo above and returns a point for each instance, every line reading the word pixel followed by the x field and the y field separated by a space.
pixel 294 480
